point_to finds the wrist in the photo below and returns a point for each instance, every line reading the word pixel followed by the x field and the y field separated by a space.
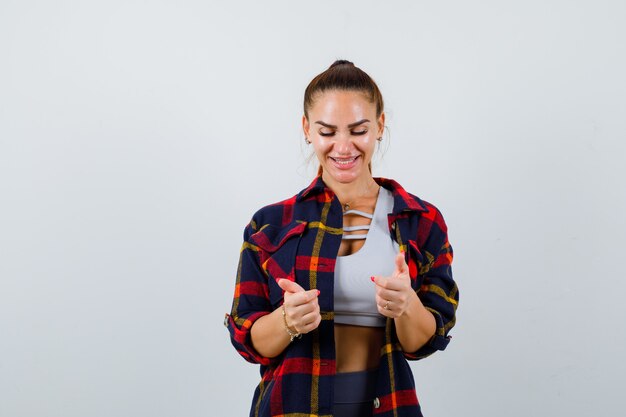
pixel 293 334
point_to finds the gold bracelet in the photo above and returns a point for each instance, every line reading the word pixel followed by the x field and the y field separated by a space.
pixel 291 334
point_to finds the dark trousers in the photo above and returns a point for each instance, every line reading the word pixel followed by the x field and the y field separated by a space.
pixel 354 393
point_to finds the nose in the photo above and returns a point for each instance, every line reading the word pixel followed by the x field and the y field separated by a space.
pixel 343 143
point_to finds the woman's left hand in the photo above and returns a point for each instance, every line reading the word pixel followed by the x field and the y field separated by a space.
pixel 394 294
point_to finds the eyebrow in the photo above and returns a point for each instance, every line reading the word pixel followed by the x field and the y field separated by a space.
pixel 351 125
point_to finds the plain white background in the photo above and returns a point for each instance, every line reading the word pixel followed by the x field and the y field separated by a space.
pixel 137 138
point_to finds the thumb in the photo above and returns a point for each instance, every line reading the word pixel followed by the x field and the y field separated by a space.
pixel 401 266
pixel 289 286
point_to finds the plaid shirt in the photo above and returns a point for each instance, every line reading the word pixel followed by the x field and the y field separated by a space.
pixel 299 239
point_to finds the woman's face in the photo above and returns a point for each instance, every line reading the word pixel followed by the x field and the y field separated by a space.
pixel 343 128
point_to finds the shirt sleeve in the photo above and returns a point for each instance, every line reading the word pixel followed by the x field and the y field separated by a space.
pixel 250 301
pixel 437 289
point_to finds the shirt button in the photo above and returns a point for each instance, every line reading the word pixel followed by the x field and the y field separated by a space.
pixel 376 403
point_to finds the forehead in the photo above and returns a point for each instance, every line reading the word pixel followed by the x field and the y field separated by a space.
pixel 342 103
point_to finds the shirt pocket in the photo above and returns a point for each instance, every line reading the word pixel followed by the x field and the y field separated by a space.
pixel 278 247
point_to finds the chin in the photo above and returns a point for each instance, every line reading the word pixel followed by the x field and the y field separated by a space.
pixel 344 177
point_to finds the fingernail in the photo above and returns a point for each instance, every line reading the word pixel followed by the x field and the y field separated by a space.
pixel 373 279
pixel 318 292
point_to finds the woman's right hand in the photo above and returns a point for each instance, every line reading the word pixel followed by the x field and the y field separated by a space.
pixel 302 314
pixel 302 310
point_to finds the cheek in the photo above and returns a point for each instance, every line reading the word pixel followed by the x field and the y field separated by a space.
pixel 321 145
pixel 367 143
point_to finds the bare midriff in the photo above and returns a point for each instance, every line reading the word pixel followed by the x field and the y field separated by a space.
pixel 357 348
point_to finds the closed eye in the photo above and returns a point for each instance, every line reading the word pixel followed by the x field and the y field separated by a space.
pixel 354 132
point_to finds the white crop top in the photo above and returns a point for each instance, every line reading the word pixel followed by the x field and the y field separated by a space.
pixel 355 293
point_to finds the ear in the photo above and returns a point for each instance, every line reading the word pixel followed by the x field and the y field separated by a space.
pixel 381 124
pixel 305 126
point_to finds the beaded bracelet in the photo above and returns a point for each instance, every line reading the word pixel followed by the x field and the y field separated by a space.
pixel 292 335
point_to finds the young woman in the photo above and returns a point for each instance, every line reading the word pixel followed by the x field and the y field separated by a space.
pixel 341 284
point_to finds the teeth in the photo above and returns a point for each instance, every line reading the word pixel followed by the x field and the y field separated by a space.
pixel 344 161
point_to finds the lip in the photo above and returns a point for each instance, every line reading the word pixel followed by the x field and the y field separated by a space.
pixel 344 163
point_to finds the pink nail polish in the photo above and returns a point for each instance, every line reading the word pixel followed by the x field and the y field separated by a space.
pixel 318 292
pixel 373 279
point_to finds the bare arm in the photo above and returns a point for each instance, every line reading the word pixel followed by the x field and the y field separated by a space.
pixel 415 326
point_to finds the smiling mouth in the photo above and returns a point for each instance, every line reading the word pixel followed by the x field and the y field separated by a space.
pixel 344 161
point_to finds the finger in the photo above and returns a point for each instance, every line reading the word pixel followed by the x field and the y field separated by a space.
pixel 386 294
pixel 394 296
pixel 387 282
pixel 310 317
pixel 394 284
pixel 302 298
pixel 312 323
pixel 289 286
pixel 379 280
pixel 389 308
pixel 296 313
pixel 401 266
pixel 380 305
pixel 312 295
pixel 301 317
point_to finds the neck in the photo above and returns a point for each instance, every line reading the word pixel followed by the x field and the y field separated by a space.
pixel 348 193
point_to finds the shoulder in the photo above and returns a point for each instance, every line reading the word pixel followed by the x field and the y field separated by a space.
pixel 409 204
pixel 404 201
pixel 433 214
pixel 272 225
pixel 301 206
pixel 274 214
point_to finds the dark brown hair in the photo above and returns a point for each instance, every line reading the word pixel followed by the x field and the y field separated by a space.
pixel 343 75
